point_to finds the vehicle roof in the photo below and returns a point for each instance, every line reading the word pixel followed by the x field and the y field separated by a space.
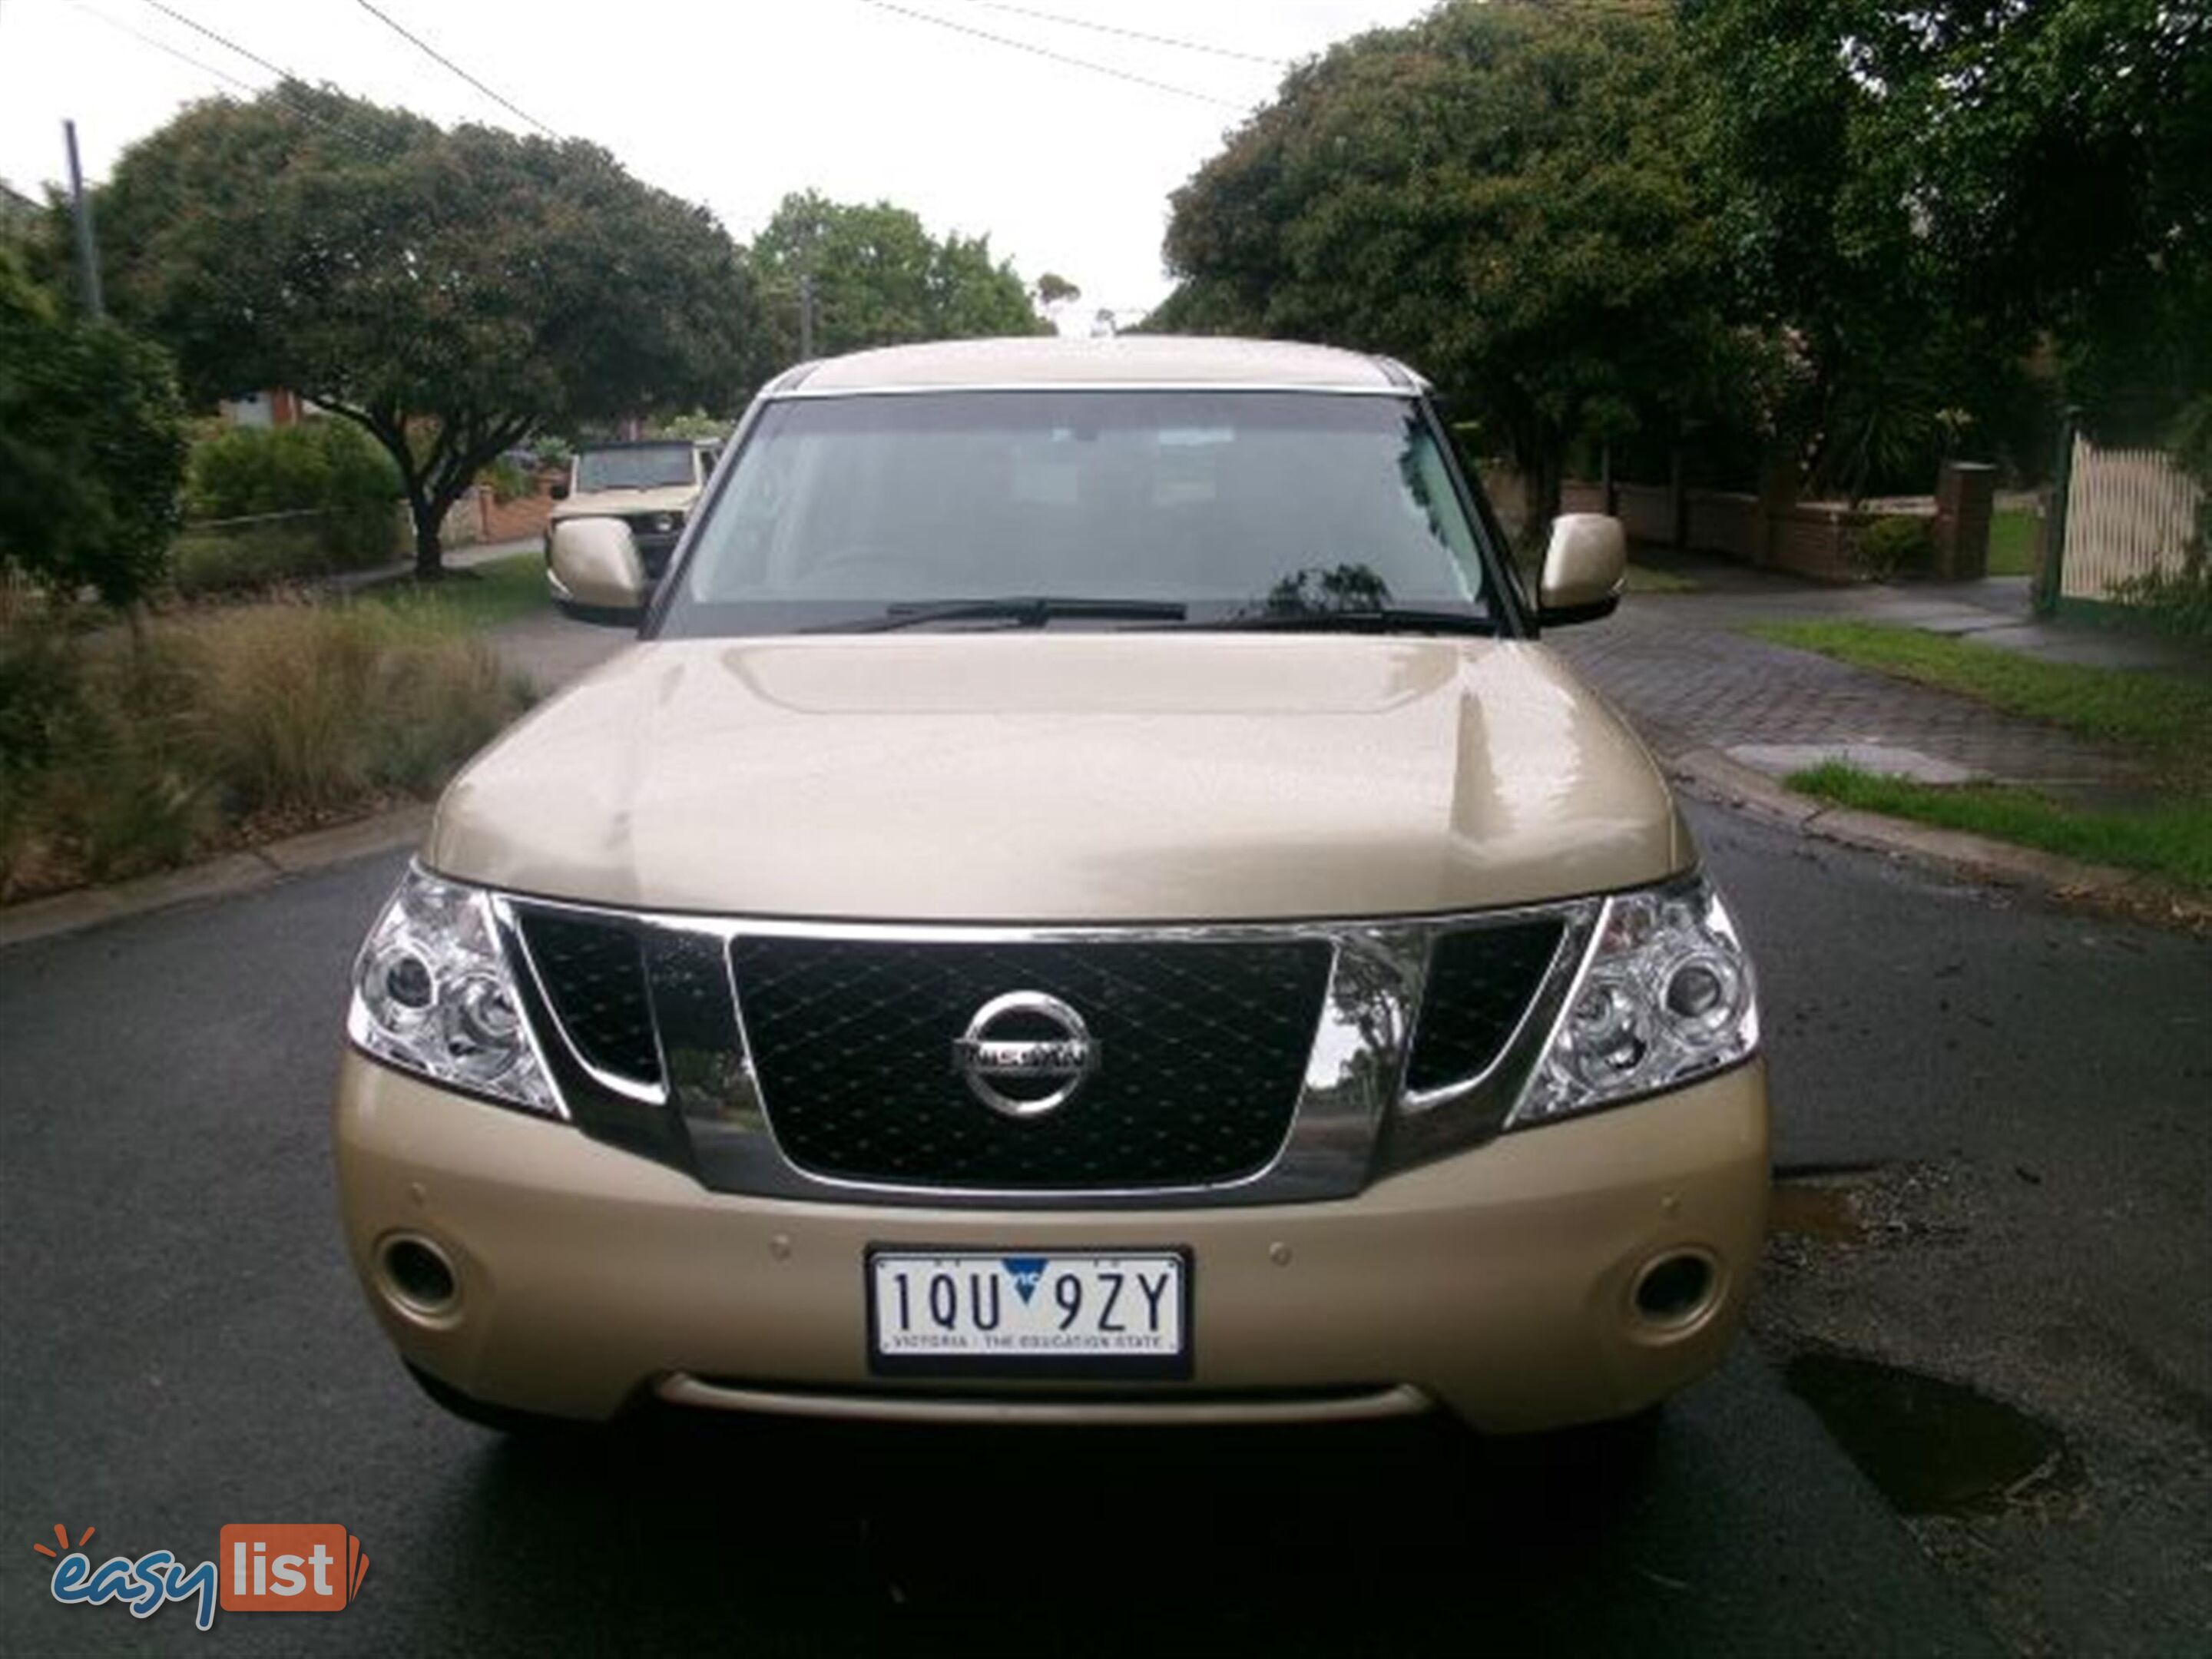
pixel 1127 360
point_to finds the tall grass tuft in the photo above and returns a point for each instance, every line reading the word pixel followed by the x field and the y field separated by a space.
pixel 223 727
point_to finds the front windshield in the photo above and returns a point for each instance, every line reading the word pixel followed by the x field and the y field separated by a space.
pixel 1230 504
pixel 642 466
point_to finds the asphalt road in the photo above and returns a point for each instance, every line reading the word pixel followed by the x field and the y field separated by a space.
pixel 182 1345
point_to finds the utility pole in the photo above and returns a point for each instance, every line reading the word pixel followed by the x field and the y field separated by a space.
pixel 87 250
pixel 805 315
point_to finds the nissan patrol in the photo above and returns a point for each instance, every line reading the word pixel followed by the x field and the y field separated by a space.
pixel 1087 900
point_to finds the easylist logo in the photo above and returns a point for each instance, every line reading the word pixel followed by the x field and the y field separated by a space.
pixel 258 1568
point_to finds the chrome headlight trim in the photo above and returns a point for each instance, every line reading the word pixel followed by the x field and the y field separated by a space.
pixel 435 994
pixel 1665 995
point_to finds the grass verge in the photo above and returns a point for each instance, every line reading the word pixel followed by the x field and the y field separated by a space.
pixel 2161 716
pixel 471 597
pixel 226 727
pixel 1643 578
pixel 2014 532
pixel 2172 839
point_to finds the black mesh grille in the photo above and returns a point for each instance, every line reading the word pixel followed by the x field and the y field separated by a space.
pixel 594 973
pixel 1481 981
pixel 1203 1048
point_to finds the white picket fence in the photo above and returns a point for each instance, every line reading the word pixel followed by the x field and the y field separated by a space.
pixel 2129 513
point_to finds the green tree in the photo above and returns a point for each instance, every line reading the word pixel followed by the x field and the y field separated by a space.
pixel 448 291
pixel 1502 194
pixel 91 448
pixel 1915 194
pixel 879 277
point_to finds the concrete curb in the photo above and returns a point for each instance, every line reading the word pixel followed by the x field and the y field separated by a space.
pixel 1715 777
pixel 221 878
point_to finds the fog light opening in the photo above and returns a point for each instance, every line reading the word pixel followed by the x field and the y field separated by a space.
pixel 1675 1290
pixel 417 1275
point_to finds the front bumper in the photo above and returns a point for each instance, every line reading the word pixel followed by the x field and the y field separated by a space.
pixel 1498 1284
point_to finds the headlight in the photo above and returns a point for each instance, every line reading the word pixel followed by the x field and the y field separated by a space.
pixel 432 994
pixel 1666 993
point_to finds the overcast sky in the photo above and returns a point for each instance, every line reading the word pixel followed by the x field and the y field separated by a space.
pixel 1066 168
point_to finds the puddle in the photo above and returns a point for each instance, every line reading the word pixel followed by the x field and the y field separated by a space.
pixel 1932 1447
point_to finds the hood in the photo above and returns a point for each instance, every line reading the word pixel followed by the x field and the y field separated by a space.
pixel 1043 777
pixel 620 503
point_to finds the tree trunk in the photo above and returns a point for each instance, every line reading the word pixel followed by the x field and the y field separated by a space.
pixel 1540 469
pixel 429 516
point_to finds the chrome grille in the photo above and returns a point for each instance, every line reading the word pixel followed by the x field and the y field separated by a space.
pixel 1241 1063
pixel 594 975
pixel 1203 1050
pixel 1480 981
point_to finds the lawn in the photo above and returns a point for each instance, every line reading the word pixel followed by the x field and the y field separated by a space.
pixel 2172 839
pixel 472 598
pixel 1643 578
pixel 2014 534
pixel 2163 717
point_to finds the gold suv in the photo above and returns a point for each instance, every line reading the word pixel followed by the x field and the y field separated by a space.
pixel 1087 900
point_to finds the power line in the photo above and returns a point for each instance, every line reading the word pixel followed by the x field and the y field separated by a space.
pixel 1047 52
pixel 228 79
pixel 431 51
pixel 1133 34
pixel 277 70
pixel 143 39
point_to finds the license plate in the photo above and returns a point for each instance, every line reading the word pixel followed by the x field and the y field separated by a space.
pixel 1118 1313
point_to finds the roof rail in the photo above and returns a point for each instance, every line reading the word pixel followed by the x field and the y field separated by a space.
pixel 1397 373
pixel 792 377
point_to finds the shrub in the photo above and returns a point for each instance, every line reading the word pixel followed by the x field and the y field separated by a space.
pixel 231 558
pixel 325 467
pixel 508 480
pixel 2175 601
pixel 90 783
pixel 1895 544
pixel 91 446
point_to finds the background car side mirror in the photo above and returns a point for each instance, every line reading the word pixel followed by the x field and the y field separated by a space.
pixel 1585 567
pixel 597 575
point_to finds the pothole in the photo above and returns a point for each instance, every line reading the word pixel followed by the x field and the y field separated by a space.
pixel 1931 1447
pixel 1822 1211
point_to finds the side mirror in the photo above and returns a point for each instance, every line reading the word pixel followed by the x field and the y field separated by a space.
pixel 559 492
pixel 594 571
pixel 1585 567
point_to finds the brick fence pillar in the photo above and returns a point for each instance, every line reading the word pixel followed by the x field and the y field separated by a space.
pixel 1965 492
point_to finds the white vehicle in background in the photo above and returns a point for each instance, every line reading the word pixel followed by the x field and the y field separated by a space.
pixel 651 486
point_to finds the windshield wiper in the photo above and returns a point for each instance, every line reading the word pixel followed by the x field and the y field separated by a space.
pixel 1032 610
pixel 1381 619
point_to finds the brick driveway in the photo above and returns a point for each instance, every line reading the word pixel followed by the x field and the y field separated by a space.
pixel 1685 679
